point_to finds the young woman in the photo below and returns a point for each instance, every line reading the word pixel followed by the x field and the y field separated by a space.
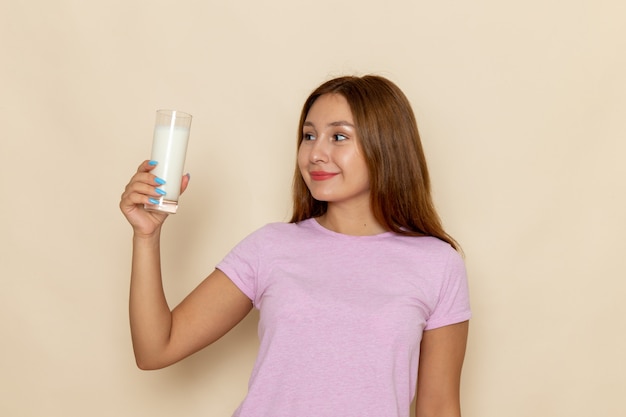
pixel 362 296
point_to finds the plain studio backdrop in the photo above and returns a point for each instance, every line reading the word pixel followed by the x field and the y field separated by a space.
pixel 521 109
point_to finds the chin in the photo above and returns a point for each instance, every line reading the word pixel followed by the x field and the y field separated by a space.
pixel 320 198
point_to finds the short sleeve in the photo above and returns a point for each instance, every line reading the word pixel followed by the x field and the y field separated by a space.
pixel 453 304
pixel 241 265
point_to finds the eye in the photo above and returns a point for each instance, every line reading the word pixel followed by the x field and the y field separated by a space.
pixel 308 136
pixel 338 137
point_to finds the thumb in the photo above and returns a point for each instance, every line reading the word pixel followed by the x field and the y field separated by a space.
pixel 185 182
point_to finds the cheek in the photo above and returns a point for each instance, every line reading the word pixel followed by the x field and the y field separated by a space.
pixel 355 162
pixel 303 160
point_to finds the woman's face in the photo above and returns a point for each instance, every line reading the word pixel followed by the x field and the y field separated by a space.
pixel 330 158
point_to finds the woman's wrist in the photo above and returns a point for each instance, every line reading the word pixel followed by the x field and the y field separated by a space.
pixel 147 238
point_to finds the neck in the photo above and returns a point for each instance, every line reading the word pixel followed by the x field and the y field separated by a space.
pixel 350 222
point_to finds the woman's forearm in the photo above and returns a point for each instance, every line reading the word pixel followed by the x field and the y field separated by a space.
pixel 150 316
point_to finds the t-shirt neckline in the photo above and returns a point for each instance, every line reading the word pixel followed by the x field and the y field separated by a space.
pixel 317 226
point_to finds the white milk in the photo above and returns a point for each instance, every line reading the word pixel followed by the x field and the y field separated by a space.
pixel 168 149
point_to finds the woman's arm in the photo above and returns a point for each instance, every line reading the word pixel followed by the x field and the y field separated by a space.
pixel 160 336
pixel 439 377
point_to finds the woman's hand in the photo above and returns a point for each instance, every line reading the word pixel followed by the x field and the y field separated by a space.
pixel 141 188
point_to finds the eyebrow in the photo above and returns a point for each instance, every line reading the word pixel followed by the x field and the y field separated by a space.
pixel 337 123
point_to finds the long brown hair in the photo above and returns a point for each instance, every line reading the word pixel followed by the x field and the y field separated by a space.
pixel 400 195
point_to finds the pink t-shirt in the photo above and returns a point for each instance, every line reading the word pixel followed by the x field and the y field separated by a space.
pixel 341 317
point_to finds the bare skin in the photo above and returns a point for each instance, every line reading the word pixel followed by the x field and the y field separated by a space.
pixel 439 376
pixel 162 337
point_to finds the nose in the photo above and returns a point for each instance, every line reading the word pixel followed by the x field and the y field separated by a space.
pixel 319 150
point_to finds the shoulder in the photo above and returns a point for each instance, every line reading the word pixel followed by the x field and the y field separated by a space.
pixel 428 253
pixel 276 228
pixel 428 246
pixel 273 233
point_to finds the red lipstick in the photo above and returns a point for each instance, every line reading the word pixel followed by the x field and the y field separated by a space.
pixel 321 175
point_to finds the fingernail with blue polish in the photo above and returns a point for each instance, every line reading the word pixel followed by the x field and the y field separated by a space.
pixel 160 191
pixel 152 162
pixel 159 181
pixel 153 201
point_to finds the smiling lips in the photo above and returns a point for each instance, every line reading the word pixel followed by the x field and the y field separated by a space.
pixel 321 175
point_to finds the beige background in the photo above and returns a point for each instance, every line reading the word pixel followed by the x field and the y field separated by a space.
pixel 521 107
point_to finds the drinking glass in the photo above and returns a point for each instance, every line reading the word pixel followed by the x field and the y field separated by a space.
pixel 169 147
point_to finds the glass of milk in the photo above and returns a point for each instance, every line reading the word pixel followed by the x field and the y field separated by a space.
pixel 169 146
